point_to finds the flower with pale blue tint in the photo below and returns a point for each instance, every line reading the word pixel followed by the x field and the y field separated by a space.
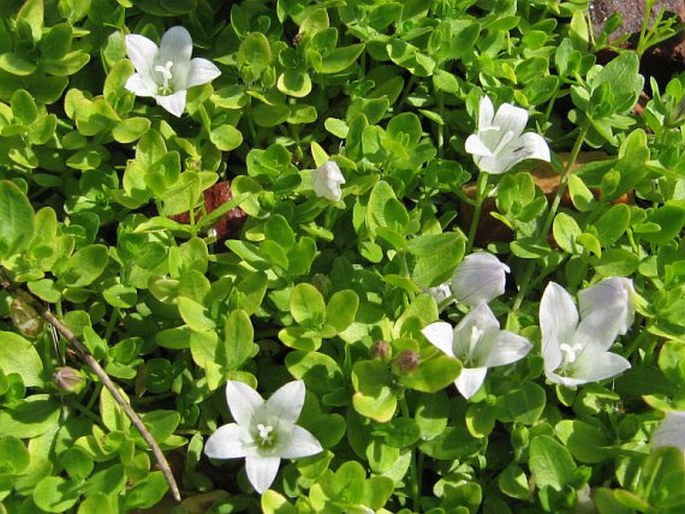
pixel 264 432
pixel 166 72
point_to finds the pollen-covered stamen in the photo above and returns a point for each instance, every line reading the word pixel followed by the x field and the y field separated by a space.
pixel 165 71
pixel 569 354
pixel 266 437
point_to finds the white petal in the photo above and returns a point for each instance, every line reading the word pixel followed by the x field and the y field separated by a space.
pixel 469 381
pixel 142 53
pixel 510 118
pixel 610 301
pixel 506 347
pixel 326 180
pixel 475 146
pixel 486 113
pixel 595 333
pixel 243 402
pixel 175 103
pixel 176 46
pixel 671 432
pixel 228 442
pixel 201 71
pixel 480 277
pixel 558 322
pixel 440 335
pixel 596 366
pixel 302 444
pixel 286 403
pixel 480 323
pixel 527 146
pixel 141 86
pixel 261 471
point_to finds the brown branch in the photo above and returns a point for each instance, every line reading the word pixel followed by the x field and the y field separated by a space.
pixel 80 349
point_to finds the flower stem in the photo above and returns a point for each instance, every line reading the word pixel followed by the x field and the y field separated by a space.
pixel 481 187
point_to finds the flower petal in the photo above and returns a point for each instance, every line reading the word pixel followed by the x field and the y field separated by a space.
pixel 609 301
pixel 228 442
pixel 176 46
pixel 326 181
pixel 486 112
pixel 175 103
pixel 505 348
pixel 480 323
pixel 558 322
pixel 469 381
pixel 285 405
pixel 200 72
pixel 510 118
pixel 671 432
pixel 243 402
pixel 527 146
pixel 302 444
pixel 261 471
pixel 142 53
pixel 141 86
pixel 594 366
pixel 475 146
pixel 440 334
pixel 480 277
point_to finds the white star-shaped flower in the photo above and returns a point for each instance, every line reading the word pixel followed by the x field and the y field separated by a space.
pixel 479 344
pixel 500 143
pixel 576 351
pixel 166 72
pixel 264 432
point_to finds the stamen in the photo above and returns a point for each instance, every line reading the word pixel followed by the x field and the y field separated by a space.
pixel 476 334
pixel 165 71
pixel 265 434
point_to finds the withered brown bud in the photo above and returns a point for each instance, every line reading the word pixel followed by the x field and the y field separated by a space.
pixel 68 380
pixel 381 350
pixel 25 318
pixel 407 361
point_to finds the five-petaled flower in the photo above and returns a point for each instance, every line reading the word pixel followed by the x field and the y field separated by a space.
pixel 500 142
pixel 479 343
pixel 326 180
pixel 264 432
pixel 166 73
pixel 575 349
pixel 480 277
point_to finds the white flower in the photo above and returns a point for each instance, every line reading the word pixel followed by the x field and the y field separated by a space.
pixel 264 431
pixel 479 344
pixel 610 301
pixel 480 277
pixel 671 432
pixel 500 143
pixel 576 352
pixel 326 180
pixel 442 295
pixel 165 73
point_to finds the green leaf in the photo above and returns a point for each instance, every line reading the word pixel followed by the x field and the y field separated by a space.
pixel 24 106
pixel 670 219
pixel 612 224
pixel 31 417
pixel 16 212
pixel 16 65
pixel 566 230
pixel 147 492
pixel 226 137
pixel 671 361
pixel 513 482
pixel 238 344
pixel 17 355
pixel 551 463
pixel 437 255
pixel 373 397
pixel 434 372
pixel 338 60
pixel 55 494
pixel 525 404
pixel 130 129
pixel 307 306
pixel 57 41
pixel 85 265
pixel 274 503
pixel 342 309
pixel 585 442
pixel 194 314
pixel 15 455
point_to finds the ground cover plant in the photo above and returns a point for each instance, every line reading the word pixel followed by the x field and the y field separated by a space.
pixel 354 256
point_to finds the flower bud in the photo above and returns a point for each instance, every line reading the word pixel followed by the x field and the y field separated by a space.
pixel 326 180
pixel 380 350
pixel 609 302
pixel 68 380
pixel 480 277
pixel 407 361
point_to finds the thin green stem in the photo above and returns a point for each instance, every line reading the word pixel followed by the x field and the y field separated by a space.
pixel 481 187
pixel 414 470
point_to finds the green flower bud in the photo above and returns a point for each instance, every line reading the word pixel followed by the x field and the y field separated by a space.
pixel 69 380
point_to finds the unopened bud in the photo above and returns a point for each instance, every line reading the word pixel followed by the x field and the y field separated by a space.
pixel 380 350
pixel 25 318
pixel 68 380
pixel 407 361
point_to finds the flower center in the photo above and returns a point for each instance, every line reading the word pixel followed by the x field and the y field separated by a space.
pixel 504 140
pixel 476 334
pixel 266 437
pixel 569 354
pixel 165 71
